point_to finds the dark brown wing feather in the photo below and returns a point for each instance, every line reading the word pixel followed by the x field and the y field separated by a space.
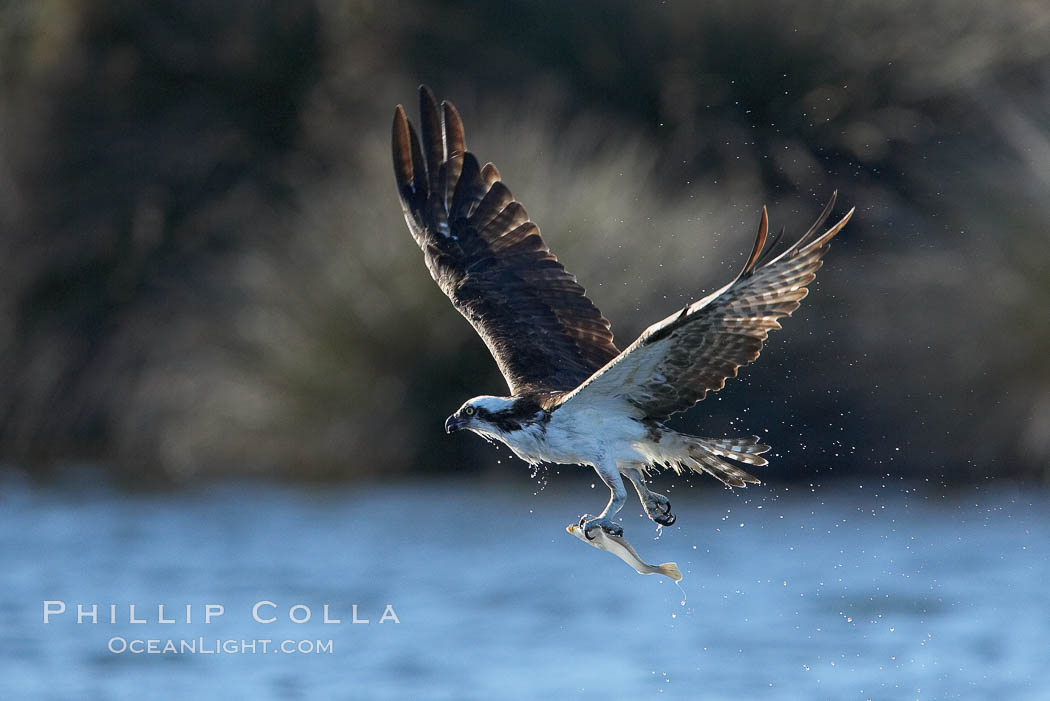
pixel 676 362
pixel 491 261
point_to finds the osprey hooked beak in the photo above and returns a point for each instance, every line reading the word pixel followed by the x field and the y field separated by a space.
pixel 454 423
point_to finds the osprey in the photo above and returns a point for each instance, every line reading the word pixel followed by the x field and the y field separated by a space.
pixel 575 398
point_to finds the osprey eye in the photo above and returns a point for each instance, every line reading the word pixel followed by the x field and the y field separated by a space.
pixel 469 411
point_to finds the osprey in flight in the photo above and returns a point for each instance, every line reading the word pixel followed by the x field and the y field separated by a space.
pixel 575 398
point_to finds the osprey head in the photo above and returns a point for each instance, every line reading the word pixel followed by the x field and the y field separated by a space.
pixel 487 415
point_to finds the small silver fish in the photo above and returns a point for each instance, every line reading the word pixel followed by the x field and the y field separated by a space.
pixel 619 547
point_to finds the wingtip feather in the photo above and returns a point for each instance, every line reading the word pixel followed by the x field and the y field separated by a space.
pixel 824 214
pixel 830 233
pixel 760 242
pixel 455 141
pixel 433 135
pixel 399 139
pixel 404 149
pixel 490 174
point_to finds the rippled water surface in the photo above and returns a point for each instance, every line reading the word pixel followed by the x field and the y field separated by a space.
pixel 849 592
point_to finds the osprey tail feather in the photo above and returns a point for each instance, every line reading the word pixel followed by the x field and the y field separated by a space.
pixel 682 452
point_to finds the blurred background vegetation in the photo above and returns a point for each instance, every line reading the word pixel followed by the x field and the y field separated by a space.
pixel 205 270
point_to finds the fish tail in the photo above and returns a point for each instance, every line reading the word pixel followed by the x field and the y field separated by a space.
pixel 670 569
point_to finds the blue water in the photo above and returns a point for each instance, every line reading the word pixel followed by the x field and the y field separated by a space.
pixel 851 592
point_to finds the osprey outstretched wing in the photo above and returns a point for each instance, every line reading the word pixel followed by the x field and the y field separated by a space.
pixel 677 361
pixel 491 261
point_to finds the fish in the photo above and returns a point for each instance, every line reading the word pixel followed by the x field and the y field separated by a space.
pixel 618 546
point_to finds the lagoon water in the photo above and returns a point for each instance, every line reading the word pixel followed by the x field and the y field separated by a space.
pixel 845 592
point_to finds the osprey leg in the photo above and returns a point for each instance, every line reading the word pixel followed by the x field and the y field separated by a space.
pixel 657 506
pixel 610 474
